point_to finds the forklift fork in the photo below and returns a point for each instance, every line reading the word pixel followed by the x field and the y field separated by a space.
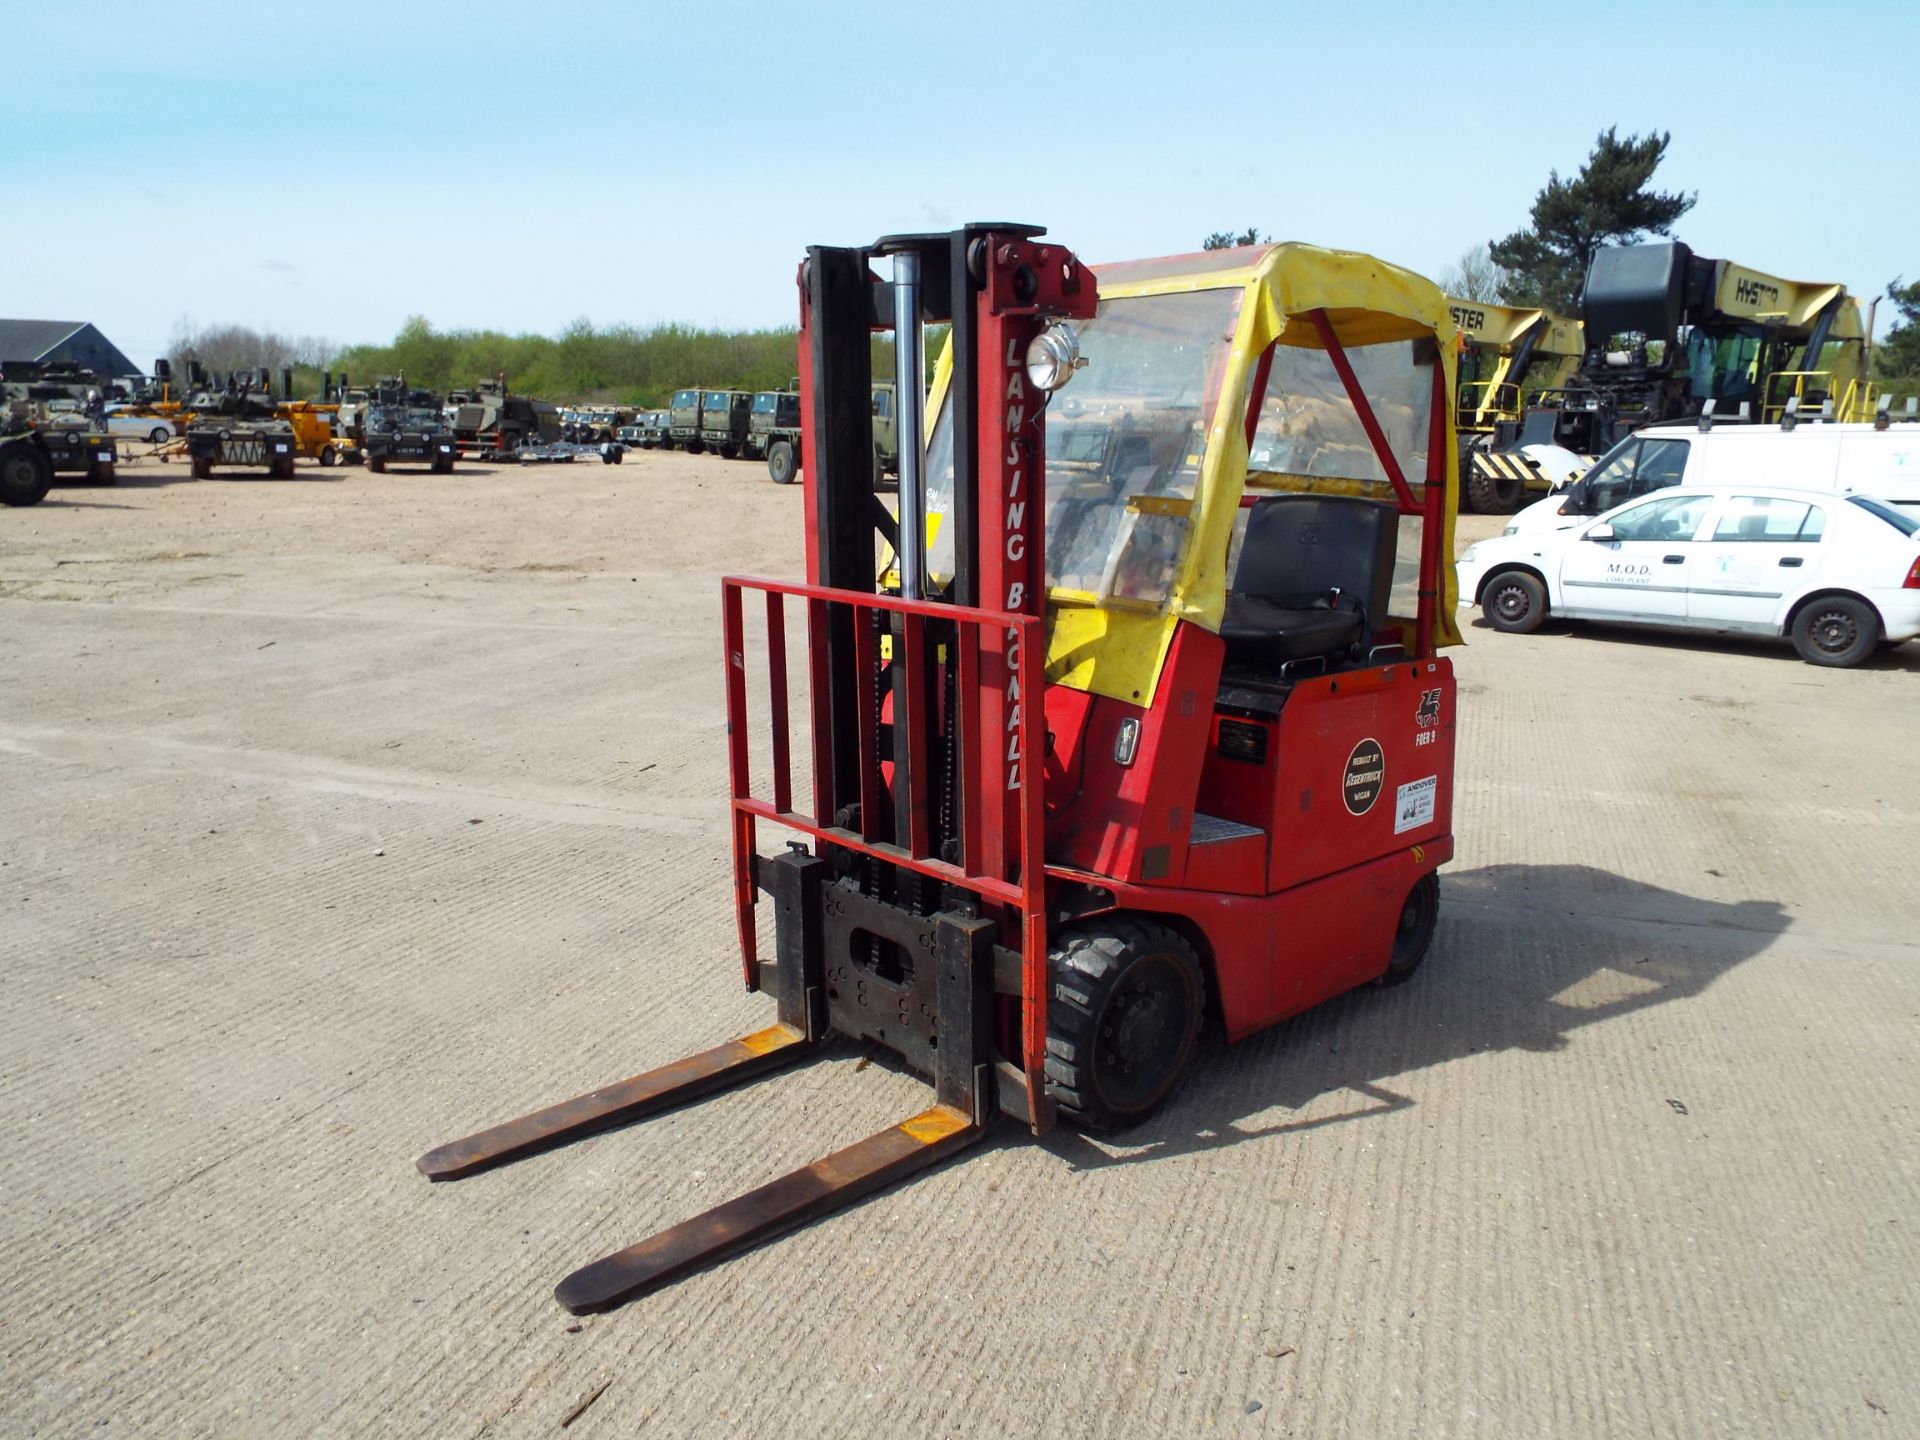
pixel 796 978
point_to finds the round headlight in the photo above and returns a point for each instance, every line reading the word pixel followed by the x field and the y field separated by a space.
pixel 1053 356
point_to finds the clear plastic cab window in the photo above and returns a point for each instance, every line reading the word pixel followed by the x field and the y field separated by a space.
pixel 1124 443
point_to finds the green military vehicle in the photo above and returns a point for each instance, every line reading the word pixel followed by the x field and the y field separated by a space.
pixel 62 403
pixel 649 430
pixel 683 421
pixel 240 425
pixel 723 421
pixel 407 433
pixel 779 438
pixel 491 423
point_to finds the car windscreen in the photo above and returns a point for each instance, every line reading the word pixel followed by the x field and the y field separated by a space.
pixel 1905 524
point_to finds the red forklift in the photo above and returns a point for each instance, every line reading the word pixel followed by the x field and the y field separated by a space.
pixel 1133 712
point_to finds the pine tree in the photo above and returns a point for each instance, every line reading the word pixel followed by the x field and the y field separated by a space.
pixel 1607 203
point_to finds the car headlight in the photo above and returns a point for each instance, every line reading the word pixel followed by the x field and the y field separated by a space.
pixel 1053 355
pixel 1472 550
pixel 1511 530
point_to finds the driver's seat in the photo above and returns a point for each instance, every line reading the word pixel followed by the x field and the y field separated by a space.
pixel 1315 575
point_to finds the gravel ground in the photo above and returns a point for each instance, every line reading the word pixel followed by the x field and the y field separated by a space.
pixel 346 814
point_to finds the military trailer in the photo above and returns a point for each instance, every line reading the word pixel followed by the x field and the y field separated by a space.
pixel 780 441
pixel 240 426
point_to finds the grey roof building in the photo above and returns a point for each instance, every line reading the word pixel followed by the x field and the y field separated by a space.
pixel 54 342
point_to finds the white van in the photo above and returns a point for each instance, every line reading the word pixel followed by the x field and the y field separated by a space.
pixel 1843 459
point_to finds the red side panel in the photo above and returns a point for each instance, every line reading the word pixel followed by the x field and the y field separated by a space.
pixel 1364 766
pixel 1131 818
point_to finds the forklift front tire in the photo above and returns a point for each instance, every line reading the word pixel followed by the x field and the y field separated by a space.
pixel 1123 1018
pixel 1515 602
pixel 329 456
pixel 1414 933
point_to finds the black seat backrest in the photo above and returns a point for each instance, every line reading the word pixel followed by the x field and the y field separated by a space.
pixel 1298 547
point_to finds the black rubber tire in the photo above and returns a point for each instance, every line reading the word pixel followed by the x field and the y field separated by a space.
pixel 281 469
pixel 780 464
pixel 377 464
pixel 202 467
pixel 1836 630
pixel 1419 914
pixel 329 457
pixel 442 466
pixel 26 474
pixel 103 473
pixel 1124 1007
pixel 1490 495
pixel 729 452
pixel 695 447
pixel 1514 601
pixel 159 435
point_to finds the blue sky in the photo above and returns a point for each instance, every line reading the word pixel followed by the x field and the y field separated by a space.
pixel 332 169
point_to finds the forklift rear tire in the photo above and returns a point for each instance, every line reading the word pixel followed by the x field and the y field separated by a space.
pixel 1123 1018
pixel 26 474
pixel 1515 602
pixel 329 456
pixel 1414 934
pixel 780 463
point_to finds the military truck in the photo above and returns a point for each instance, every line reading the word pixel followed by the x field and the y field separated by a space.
pixel 63 403
pixel 780 440
pixel 490 422
pixel 683 424
pixel 775 418
pixel 240 425
pixel 723 421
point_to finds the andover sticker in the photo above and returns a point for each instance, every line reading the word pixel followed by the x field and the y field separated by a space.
pixel 1413 804
pixel 1366 772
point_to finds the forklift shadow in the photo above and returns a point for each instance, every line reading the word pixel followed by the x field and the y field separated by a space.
pixel 1525 956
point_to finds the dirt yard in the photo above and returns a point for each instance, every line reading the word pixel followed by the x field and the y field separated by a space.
pixel 347 814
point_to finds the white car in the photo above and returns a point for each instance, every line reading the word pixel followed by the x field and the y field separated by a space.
pixel 1840 574
pixel 125 425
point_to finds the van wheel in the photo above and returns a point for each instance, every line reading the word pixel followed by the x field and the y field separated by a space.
pixel 1515 602
pixel 1836 630
pixel 1123 1018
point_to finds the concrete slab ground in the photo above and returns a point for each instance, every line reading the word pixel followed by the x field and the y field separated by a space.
pixel 343 815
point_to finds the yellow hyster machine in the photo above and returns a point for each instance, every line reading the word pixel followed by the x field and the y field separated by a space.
pixel 1507 355
pixel 1669 333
